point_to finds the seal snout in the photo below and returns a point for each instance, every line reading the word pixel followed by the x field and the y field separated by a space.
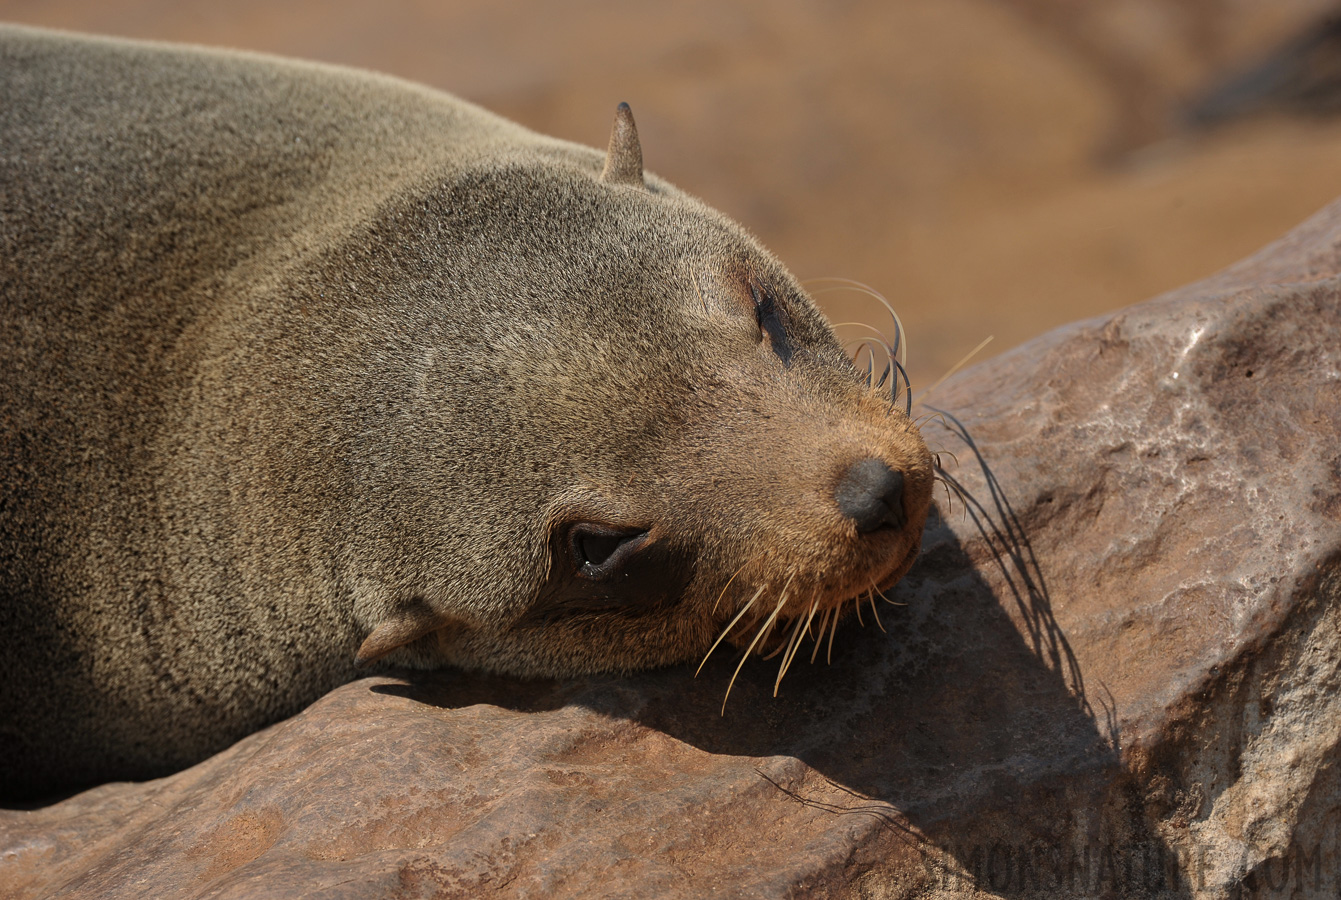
pixel 870 493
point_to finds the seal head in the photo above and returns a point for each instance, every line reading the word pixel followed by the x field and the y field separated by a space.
pixel 654 408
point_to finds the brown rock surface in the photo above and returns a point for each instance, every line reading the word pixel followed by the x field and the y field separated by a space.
pixel 1119 674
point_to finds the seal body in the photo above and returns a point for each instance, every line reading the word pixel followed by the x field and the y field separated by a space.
pixel 303 364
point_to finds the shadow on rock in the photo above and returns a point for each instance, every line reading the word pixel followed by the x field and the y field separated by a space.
pixel 953 720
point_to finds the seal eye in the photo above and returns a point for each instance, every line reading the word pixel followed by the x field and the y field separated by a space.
pixel 611 569
pixel 769 317
pixel 594 549
pixel 598 550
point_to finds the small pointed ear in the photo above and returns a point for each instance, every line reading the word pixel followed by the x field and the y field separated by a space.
pixel 397 631
pixel 624 159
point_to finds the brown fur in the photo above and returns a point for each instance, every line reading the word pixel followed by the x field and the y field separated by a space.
pixel 295 355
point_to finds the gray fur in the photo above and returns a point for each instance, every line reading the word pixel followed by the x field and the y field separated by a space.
pixel 293 353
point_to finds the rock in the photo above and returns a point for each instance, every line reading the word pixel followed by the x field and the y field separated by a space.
pixel 1115 671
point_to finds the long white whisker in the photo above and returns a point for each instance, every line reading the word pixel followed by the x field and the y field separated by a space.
pixel 871 597
pixel 819 633
pixel 750 649
pixel 773 620
pixel 769 633
pixel 729 580
pixel 791 652
pixel 955 368
pixel 828 656
pixel 786 657
pixel 728 628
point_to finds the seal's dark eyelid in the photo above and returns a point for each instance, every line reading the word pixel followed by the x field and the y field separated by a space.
pixel 770 322
pixel 599 550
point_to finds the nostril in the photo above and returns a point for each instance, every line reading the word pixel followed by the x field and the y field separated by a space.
pixel 870 493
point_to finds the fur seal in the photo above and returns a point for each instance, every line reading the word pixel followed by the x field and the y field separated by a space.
pixel 305 364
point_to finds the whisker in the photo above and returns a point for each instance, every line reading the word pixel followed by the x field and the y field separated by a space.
pixel 869 327
pixel 774 652
pixel 728 628
pixel 927 417
pixel 819 633
pixel 868 345
pixel 750 649
pixel 955 368
pixel 865 345
pixel 828 656
pixel 948 453
pixel 793 641
pixel 896 352
pixel 792 651
pixel 853 285
pixel 950 485
pixel 871 597
pixel 900 371
pixel 767 631
pixel 814 607
pixel 859 619
pixel 885 598
pixel 774 620
pixel 731 579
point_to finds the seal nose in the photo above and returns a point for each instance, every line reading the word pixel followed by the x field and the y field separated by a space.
pixel 870 493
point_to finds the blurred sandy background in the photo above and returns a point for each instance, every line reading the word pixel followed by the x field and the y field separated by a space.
pixel 992 166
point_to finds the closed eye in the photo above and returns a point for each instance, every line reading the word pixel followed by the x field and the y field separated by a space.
pixel 770 323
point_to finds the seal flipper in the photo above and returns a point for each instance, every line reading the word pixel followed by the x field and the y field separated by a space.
pixel 624 158
pixel 397 631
